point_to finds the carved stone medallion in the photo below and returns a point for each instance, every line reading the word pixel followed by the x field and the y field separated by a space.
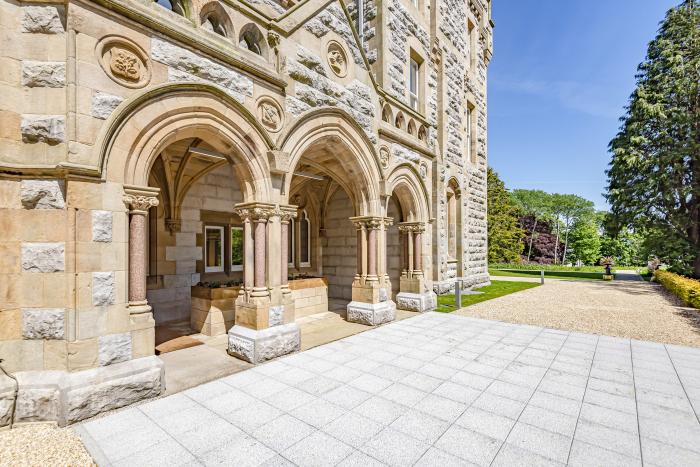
pixel 337 59
pixel 270 114
pixel 124 61
pixel 423 170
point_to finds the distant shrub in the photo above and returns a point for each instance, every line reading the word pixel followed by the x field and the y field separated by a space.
pixel 546 267
pixel 688 290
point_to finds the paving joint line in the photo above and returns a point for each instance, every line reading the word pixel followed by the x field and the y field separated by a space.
pixel 673 364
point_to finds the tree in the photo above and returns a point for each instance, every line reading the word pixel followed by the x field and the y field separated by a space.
pixel 654 175
pixel 534 203
pixel 573 208
pixel 504 235
pixel 585 239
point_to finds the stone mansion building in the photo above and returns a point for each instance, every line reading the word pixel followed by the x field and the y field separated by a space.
pixel 235 164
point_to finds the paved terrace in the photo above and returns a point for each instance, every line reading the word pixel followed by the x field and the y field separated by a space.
pixel 432 390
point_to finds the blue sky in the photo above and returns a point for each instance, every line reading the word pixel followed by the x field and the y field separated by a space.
pixel 561 74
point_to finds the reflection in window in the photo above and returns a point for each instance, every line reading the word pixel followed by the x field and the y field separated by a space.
pixel 290 243
pixel 305 240
pixel 237 248
pixel 213 249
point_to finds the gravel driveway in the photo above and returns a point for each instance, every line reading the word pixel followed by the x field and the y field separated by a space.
pixel 637 310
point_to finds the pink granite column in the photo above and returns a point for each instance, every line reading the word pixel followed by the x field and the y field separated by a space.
pixel 417 252
pixel 260 252
pixel 372 252
pixel 404 241
pixel 249 254
pixel 137 250
pixel 411 254
pixel 284 252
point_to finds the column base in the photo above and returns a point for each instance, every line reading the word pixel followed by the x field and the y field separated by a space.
pixel 64 398
pixel 416 302
pixel 265 344
pixel 371 314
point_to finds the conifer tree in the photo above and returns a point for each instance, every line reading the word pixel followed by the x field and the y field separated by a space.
pixel 504 235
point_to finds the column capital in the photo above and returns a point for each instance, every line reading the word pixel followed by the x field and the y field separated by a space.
pixel 255 211
pixel 415 227
pixel 371 222
pixel 287 212
pixel 140 199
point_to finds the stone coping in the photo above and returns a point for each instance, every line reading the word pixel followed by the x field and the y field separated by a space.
pixel 309 283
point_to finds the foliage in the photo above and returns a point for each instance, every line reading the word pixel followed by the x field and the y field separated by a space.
pixel 626 246
pixel 504 235
pixel 688 290
pixel 545 267
pixel 654 175
pixel 446 303
pixel 535 204
pixel 585 240
pixel 539 242
pixel 551 274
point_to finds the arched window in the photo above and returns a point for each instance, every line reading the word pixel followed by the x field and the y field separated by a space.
pixel 177 6
pixel 252 39
pixel 386 114
pixel 423 134
pixel 399 123
pixel 212 23
pixel 291 250
pixel 454 221
pixel 412 128
pixel 304 240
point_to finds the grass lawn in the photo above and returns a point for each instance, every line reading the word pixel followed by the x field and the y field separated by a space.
pixel 446 303
pixel 552 274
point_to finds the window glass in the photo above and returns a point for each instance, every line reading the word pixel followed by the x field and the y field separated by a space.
pixel 237 248
pixel 214 249
pixel 413 84
pixel 305 236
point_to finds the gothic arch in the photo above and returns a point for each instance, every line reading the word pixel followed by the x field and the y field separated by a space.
pixel 331 142
pixel 141 127
pixel 406 183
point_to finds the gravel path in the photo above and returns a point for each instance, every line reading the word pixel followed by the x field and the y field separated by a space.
pixel 637 310
pixel 42 445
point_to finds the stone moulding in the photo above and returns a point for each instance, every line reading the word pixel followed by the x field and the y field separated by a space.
pixel 65 398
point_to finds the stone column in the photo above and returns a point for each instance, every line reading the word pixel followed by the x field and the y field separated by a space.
pixel 260 232
pixel 139 203
pixel 249 255
pixel 372 253
pixel 286 215
pixel 411 254
pixel 418 252
pixel 414 295
pixel 388 222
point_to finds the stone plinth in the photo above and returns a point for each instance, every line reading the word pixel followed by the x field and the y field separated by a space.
pixel 371 314
pixel 256 346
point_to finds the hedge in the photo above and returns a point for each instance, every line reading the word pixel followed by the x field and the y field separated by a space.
pixel 688 290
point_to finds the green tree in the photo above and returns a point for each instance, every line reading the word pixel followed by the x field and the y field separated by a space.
pixel 654 175
pixel 535 203
pixel 584 239
pixel 504 235
pixel 573 209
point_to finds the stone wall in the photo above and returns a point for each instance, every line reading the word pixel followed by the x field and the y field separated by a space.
pixel 338 245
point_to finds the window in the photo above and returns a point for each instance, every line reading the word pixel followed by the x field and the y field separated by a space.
pixel 237 252
pixel 290 243
pixel 173 5
pixel 251 39
pixel 212 23
pixel 213 249
pixel 413 84
pixel 469 133
pixel 305 240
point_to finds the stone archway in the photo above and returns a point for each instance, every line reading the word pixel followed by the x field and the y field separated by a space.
pixel 332 160
pixel 154 149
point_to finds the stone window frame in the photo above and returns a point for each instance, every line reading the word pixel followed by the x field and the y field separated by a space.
pixel 244 35
pixel 416 59
pixel 472 41
pixel 291 243
pixel 178 7
pixel 471 131
pixel 214 10
pixel 222 249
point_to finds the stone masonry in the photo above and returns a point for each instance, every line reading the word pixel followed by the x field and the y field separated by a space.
pixel 253 146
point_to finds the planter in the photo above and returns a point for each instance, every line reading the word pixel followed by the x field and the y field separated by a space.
pixel 310 296
pixel 213 310
pixel 608 277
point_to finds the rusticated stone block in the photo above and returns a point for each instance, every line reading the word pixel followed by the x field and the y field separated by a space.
pixel 43 257
pixel 102 222
pixel 258 346
pixel 103 292
pixel 43 74
pixel 50 129
pixel 43 323
pixel 42 194
pixel 114 348
pixel 103 104
pixel 42 19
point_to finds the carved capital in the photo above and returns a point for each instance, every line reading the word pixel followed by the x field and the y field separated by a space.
pixel 140 203
pixel 414 227
pixel 286 213
pixel 255 211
